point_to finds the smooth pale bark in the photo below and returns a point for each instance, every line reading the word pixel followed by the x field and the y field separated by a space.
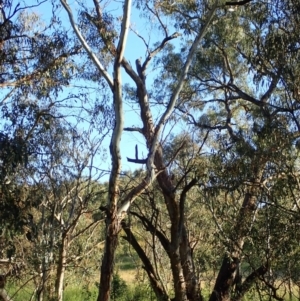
pixel 112 219
pixel 61 268
pixel 4 296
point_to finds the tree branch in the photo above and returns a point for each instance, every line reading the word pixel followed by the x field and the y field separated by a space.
pixel 174 97
pixel 124 31
pixel 133 130
pixel 158 49
pixel 118 109
pixel 240 3
pixel 148 267
pixel 244 95
pixel 182 202
pixel 149 227
pixel 137 161
pixel 86 46
pixel 272 87
pixel 248 282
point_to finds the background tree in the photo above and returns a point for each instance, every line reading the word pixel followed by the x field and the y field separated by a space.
pixel 47 146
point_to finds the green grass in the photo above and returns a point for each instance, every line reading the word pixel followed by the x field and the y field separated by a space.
pixel 71 293
pixel 19 295
pixel 80 294
pixel 124 292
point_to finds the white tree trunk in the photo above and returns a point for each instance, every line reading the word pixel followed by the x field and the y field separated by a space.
pixel 4 296
pixel 61 268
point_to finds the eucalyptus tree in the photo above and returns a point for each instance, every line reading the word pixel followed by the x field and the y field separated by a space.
pixel 114 44
pixel 33 61
pixel 243 82
pixel 67 189
pixel 57 195
pixel 234 79
pixel 39 86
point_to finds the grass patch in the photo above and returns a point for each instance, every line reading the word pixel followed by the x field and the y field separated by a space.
pixel 17 293
pixel 71 293
pixel 80 293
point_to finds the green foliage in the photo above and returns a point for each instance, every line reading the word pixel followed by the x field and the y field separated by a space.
pixel 140 292
pixel 119 288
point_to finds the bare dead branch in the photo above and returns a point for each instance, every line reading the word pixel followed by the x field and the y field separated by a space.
pixel 133 130
pixel 150 227
pixel 239 3
pixel 159 48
